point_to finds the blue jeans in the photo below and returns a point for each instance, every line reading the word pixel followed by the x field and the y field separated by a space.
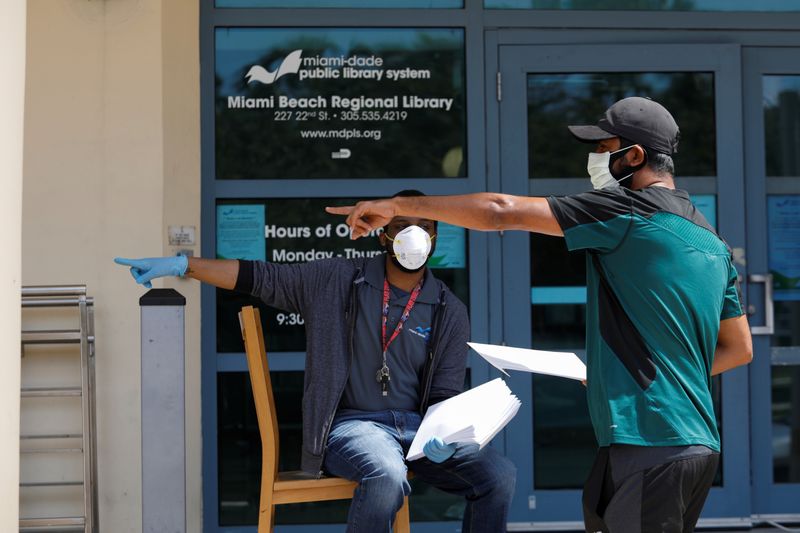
pixel 370 447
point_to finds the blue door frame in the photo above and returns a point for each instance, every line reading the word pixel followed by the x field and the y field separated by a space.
pixel 500 310
pixel 215 363
pixel 770 499
pixel 729 504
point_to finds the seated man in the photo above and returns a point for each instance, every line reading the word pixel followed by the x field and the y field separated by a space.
pixel 385 340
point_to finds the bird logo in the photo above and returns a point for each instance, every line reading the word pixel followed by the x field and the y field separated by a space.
pixel 290 65
pixel 422 332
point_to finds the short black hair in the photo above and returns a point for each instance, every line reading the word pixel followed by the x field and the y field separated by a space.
pixel 409 193
pixel 659 162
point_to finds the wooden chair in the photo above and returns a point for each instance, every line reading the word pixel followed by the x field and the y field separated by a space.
pixel 285 487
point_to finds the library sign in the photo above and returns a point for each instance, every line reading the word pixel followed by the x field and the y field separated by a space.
pixel 332 103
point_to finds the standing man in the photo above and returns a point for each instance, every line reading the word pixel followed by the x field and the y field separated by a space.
pixel 385 341
pixel 663 313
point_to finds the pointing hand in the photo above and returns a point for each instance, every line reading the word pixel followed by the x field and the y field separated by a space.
pixel 365 216
pixel 144 270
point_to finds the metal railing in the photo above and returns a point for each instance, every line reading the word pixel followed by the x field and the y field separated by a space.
pixel 66 296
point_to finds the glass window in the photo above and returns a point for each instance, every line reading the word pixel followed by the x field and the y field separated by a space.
pixel 782 125
pixel 647 5
pixel 239 451
pixel 786 423
pixel 371 4
pixel 783 213
pixel 716 398
pixel 340 103
pixel 558 326
pixel 558 100
pixel 293 230
pixel 563 438
pixel 558 294
pixel 564 446
pixel 239 458
pixel 553 265
pixel 787 323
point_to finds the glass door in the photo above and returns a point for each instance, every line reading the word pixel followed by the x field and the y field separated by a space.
pixel 545 88
pixel 772 137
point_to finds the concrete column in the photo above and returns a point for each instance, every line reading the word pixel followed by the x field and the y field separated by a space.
pixel 163 412
pixel 12 95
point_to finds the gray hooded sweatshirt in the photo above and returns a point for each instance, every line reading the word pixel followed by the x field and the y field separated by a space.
pixel 325 292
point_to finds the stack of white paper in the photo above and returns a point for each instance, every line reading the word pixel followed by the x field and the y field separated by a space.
pixel 474 416
pixel 563 364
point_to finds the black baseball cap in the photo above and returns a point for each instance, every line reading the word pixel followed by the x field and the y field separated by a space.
pixel 637 119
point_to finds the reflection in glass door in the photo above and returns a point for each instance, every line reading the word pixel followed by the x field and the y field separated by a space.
pixel 557 86
pixel 772 134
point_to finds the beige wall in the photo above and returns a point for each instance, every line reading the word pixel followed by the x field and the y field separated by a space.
pixel 111 158
pixel 12 94
pixel 181 164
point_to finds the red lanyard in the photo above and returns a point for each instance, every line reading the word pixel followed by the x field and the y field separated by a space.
pixel 406 312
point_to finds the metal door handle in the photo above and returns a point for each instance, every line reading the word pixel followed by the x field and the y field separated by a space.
pixel 769 311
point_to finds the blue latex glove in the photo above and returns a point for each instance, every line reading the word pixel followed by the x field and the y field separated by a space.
pixel 437 451
pixel 144 270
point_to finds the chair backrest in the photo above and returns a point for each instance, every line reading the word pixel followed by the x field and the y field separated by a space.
pixel 253 336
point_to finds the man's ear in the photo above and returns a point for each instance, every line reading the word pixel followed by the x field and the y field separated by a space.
pixel 636 156
pixel 382 238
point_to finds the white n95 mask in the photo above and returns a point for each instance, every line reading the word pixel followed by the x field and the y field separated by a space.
pixel 411 247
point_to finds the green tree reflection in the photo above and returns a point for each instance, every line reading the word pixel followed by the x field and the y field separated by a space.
pixel 557 100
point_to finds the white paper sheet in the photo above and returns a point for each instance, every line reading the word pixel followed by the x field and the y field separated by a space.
pixel 562 364
pixel 474 416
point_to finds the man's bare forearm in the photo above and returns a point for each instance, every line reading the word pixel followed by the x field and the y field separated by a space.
pixel 221 273
pixel 483 211
pixel 734 345
pixel 726 358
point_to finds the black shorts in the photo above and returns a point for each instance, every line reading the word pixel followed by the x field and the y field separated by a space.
pixel 665 498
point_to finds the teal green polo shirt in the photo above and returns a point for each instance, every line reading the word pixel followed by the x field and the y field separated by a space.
pixel 659 281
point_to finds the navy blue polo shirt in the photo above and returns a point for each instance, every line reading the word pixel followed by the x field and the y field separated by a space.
pixel 406 355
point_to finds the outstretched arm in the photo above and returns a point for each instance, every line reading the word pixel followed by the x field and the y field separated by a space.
pixel 290 287
pixel 480 211
pixel 218 272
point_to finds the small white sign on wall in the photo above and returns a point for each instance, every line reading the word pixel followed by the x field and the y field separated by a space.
pixel 181 235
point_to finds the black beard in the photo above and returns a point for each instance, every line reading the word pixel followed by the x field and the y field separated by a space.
pixel 627 180
pixel 625 170
pixel 404 269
